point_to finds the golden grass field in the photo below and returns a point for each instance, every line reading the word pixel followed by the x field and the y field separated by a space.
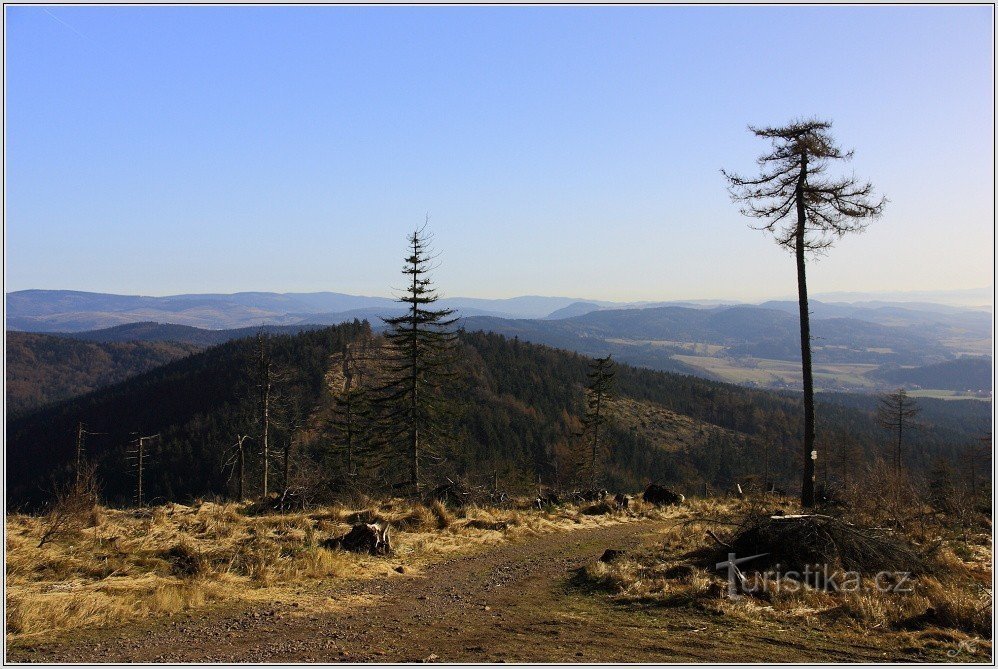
pixel 955 603
pixel 159 561
pixel 155 563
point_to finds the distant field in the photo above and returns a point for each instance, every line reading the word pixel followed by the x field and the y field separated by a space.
pixel 946 394
pixel 779 372
pixel 692 347
pixel 968 345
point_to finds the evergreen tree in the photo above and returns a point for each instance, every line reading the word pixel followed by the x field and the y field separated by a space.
pixel 598 390
pixel 420 360
pixel 351 418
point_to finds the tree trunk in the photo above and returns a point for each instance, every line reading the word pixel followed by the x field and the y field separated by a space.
pixel 897 459
pixel 599 397
pixel 242 472
pixel 807 487
pixel 350 435
pixel 138 492
pixel 79 451
pixel 414 402
pixel 287 461
pixel 266 427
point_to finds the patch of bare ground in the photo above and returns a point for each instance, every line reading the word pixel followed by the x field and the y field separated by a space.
pixel 126 567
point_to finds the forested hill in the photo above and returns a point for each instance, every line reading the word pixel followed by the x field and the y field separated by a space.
pixel 44 368
pixel 517 410
pixel 198 405
pixel 964 373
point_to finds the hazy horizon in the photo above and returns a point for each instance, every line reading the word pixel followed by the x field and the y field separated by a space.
pixel 170 150
pixel 966 297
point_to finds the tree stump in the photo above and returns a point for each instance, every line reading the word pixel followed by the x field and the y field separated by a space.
pixel 371 538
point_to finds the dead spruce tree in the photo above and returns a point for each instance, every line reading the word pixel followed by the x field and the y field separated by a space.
pixel 265 382
pixel 271 393
pixel 598 390
pixel 237 463
pixel 806 210
pixel 420 360
pixel 896 412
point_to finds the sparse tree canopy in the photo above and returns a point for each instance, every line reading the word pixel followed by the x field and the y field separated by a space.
pixel 801 204
pixel 896 412
pixel 806 210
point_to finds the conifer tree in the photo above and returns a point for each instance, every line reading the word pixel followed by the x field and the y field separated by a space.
pixel 598 390
pixel 896 412
pixel 806 210
pixel 352 413
pixel 420 360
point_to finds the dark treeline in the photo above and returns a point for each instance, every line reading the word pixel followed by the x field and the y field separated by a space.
pixel 198 405
pixel 516 417
pixel 45 368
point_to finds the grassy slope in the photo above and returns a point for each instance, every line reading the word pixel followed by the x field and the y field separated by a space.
pixel 171 558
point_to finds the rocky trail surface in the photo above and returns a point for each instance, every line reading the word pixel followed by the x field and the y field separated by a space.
pixel 513 603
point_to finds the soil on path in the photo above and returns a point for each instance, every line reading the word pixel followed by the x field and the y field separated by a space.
pixel 513 603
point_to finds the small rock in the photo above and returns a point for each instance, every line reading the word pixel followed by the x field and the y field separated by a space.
pixel 431 658
pixel 611 554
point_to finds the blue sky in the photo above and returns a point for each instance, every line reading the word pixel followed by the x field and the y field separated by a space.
pixel 557 151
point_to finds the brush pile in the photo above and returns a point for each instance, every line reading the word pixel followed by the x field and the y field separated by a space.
pixel 662 496
pixel 796 542
pixel 453 494
pixel 370 538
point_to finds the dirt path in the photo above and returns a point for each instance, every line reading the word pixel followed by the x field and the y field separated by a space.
pixel 512 604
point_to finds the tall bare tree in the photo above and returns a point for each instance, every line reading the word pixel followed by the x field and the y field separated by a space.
pixel 265 382
pixel 896 412
pixel 806 210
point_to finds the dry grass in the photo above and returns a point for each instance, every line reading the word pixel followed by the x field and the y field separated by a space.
pixel 174 558
pixel 956 600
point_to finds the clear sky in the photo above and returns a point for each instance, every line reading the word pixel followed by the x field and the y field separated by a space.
pixel 557 151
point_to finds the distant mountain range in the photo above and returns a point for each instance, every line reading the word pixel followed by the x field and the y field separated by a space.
pixel 76 311
pixel 857 346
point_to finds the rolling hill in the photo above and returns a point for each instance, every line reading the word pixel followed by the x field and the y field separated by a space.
pixel 743 344
pixel 520 406
pixel 74 311
pixel 43 368
pixel 965 373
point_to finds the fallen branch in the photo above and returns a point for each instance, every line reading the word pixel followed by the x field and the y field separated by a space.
pixel 713 536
